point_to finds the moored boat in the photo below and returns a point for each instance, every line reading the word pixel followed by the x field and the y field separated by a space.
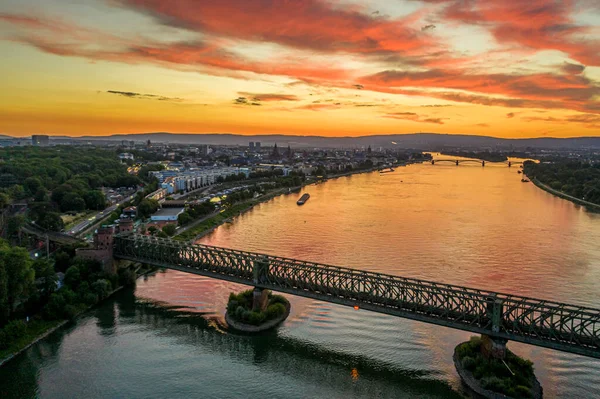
pixel 303 199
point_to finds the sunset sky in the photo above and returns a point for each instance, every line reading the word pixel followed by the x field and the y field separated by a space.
pixel 507 68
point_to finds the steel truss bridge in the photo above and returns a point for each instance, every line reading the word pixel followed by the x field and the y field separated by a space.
pixel 560 326
pixel 477 161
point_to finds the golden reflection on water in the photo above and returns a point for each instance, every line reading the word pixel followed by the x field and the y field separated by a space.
pixel 468 225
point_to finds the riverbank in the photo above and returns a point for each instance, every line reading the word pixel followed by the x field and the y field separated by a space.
pixel 560 194
pixel 31 338
pixel 42 328
pixel 206 225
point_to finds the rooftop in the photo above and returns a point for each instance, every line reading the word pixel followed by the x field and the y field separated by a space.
pixel 168 212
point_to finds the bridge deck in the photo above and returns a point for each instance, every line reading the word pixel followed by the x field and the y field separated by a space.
pixel 52 235
pixel 560 326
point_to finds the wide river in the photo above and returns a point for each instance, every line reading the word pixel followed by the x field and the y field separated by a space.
pixel 468 225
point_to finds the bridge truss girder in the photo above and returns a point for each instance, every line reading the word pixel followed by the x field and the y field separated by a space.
pixel 559 326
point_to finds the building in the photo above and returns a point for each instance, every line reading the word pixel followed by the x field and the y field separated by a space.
pixel 251 146
pixel 40 140
pixel 167 215
pixel 174 181
pixel 125 155
pixel 130 212
pixel 257 146
pixel 204 150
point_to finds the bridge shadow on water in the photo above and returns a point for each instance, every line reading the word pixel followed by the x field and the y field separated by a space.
pixel 277 354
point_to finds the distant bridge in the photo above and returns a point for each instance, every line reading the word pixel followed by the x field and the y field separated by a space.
pixel 477 161
pixel 52 236
pixel 560 326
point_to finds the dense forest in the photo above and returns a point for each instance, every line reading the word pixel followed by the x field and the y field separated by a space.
pixel 59 179
pixel 578 179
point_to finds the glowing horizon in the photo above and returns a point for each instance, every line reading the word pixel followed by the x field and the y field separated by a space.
pixel 307 67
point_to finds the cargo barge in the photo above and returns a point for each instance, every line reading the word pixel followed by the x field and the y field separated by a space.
pixel 303 199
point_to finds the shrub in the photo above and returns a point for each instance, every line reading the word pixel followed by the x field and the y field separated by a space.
pixel 232 305
pixel 275 310
pixel 278 299
pixel 54 308
pixel 89 298
pixel 239 313
pixel 70 312
pixel 468 363
pixel 127 277
pixel 246 315
pixel 14 330
pixel 492 383
pixel 522 391
pixel 102 288
pixel 256 318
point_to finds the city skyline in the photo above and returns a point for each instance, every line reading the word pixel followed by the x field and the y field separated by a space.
pixel 313 67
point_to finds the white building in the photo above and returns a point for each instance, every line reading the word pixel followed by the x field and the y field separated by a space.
pixel 125 155
pixel 166 215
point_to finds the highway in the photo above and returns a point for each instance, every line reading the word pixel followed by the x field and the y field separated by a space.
pixel 83 225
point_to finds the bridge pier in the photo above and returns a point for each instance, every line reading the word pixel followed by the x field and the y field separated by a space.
pixel 260 296
pixel 260 299
pixel 493 347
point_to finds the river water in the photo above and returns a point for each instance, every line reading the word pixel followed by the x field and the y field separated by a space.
pixel 467 225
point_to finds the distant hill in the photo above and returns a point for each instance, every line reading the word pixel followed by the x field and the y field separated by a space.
pixel 424 141
pixel 429 141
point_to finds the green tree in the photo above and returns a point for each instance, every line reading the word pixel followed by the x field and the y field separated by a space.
pixel 102 288
pixel 17 192
pixel 72 202
pixel 59 192
pixel 4 309
pixel 4 200
pixel 184 218
pixel 41 195
pixel 45 274
pixel 169 229
pixel 51 221
pixel 14 224
pixel 147 207
pixel 19 274
pixel 62 260
pixel 32 184
pixel 94 199
pixel 72 277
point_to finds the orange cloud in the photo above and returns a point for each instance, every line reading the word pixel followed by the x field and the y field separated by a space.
pixel 411 116
pixel 304 24
pixel 269 96
pixel 536 24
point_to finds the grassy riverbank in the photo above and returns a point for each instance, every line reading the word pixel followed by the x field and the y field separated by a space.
pixel 215 221
pixel 560 194
pixel 32 331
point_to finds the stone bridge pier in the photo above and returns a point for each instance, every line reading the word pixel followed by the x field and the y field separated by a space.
pixel 260 296
pixel 494 346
